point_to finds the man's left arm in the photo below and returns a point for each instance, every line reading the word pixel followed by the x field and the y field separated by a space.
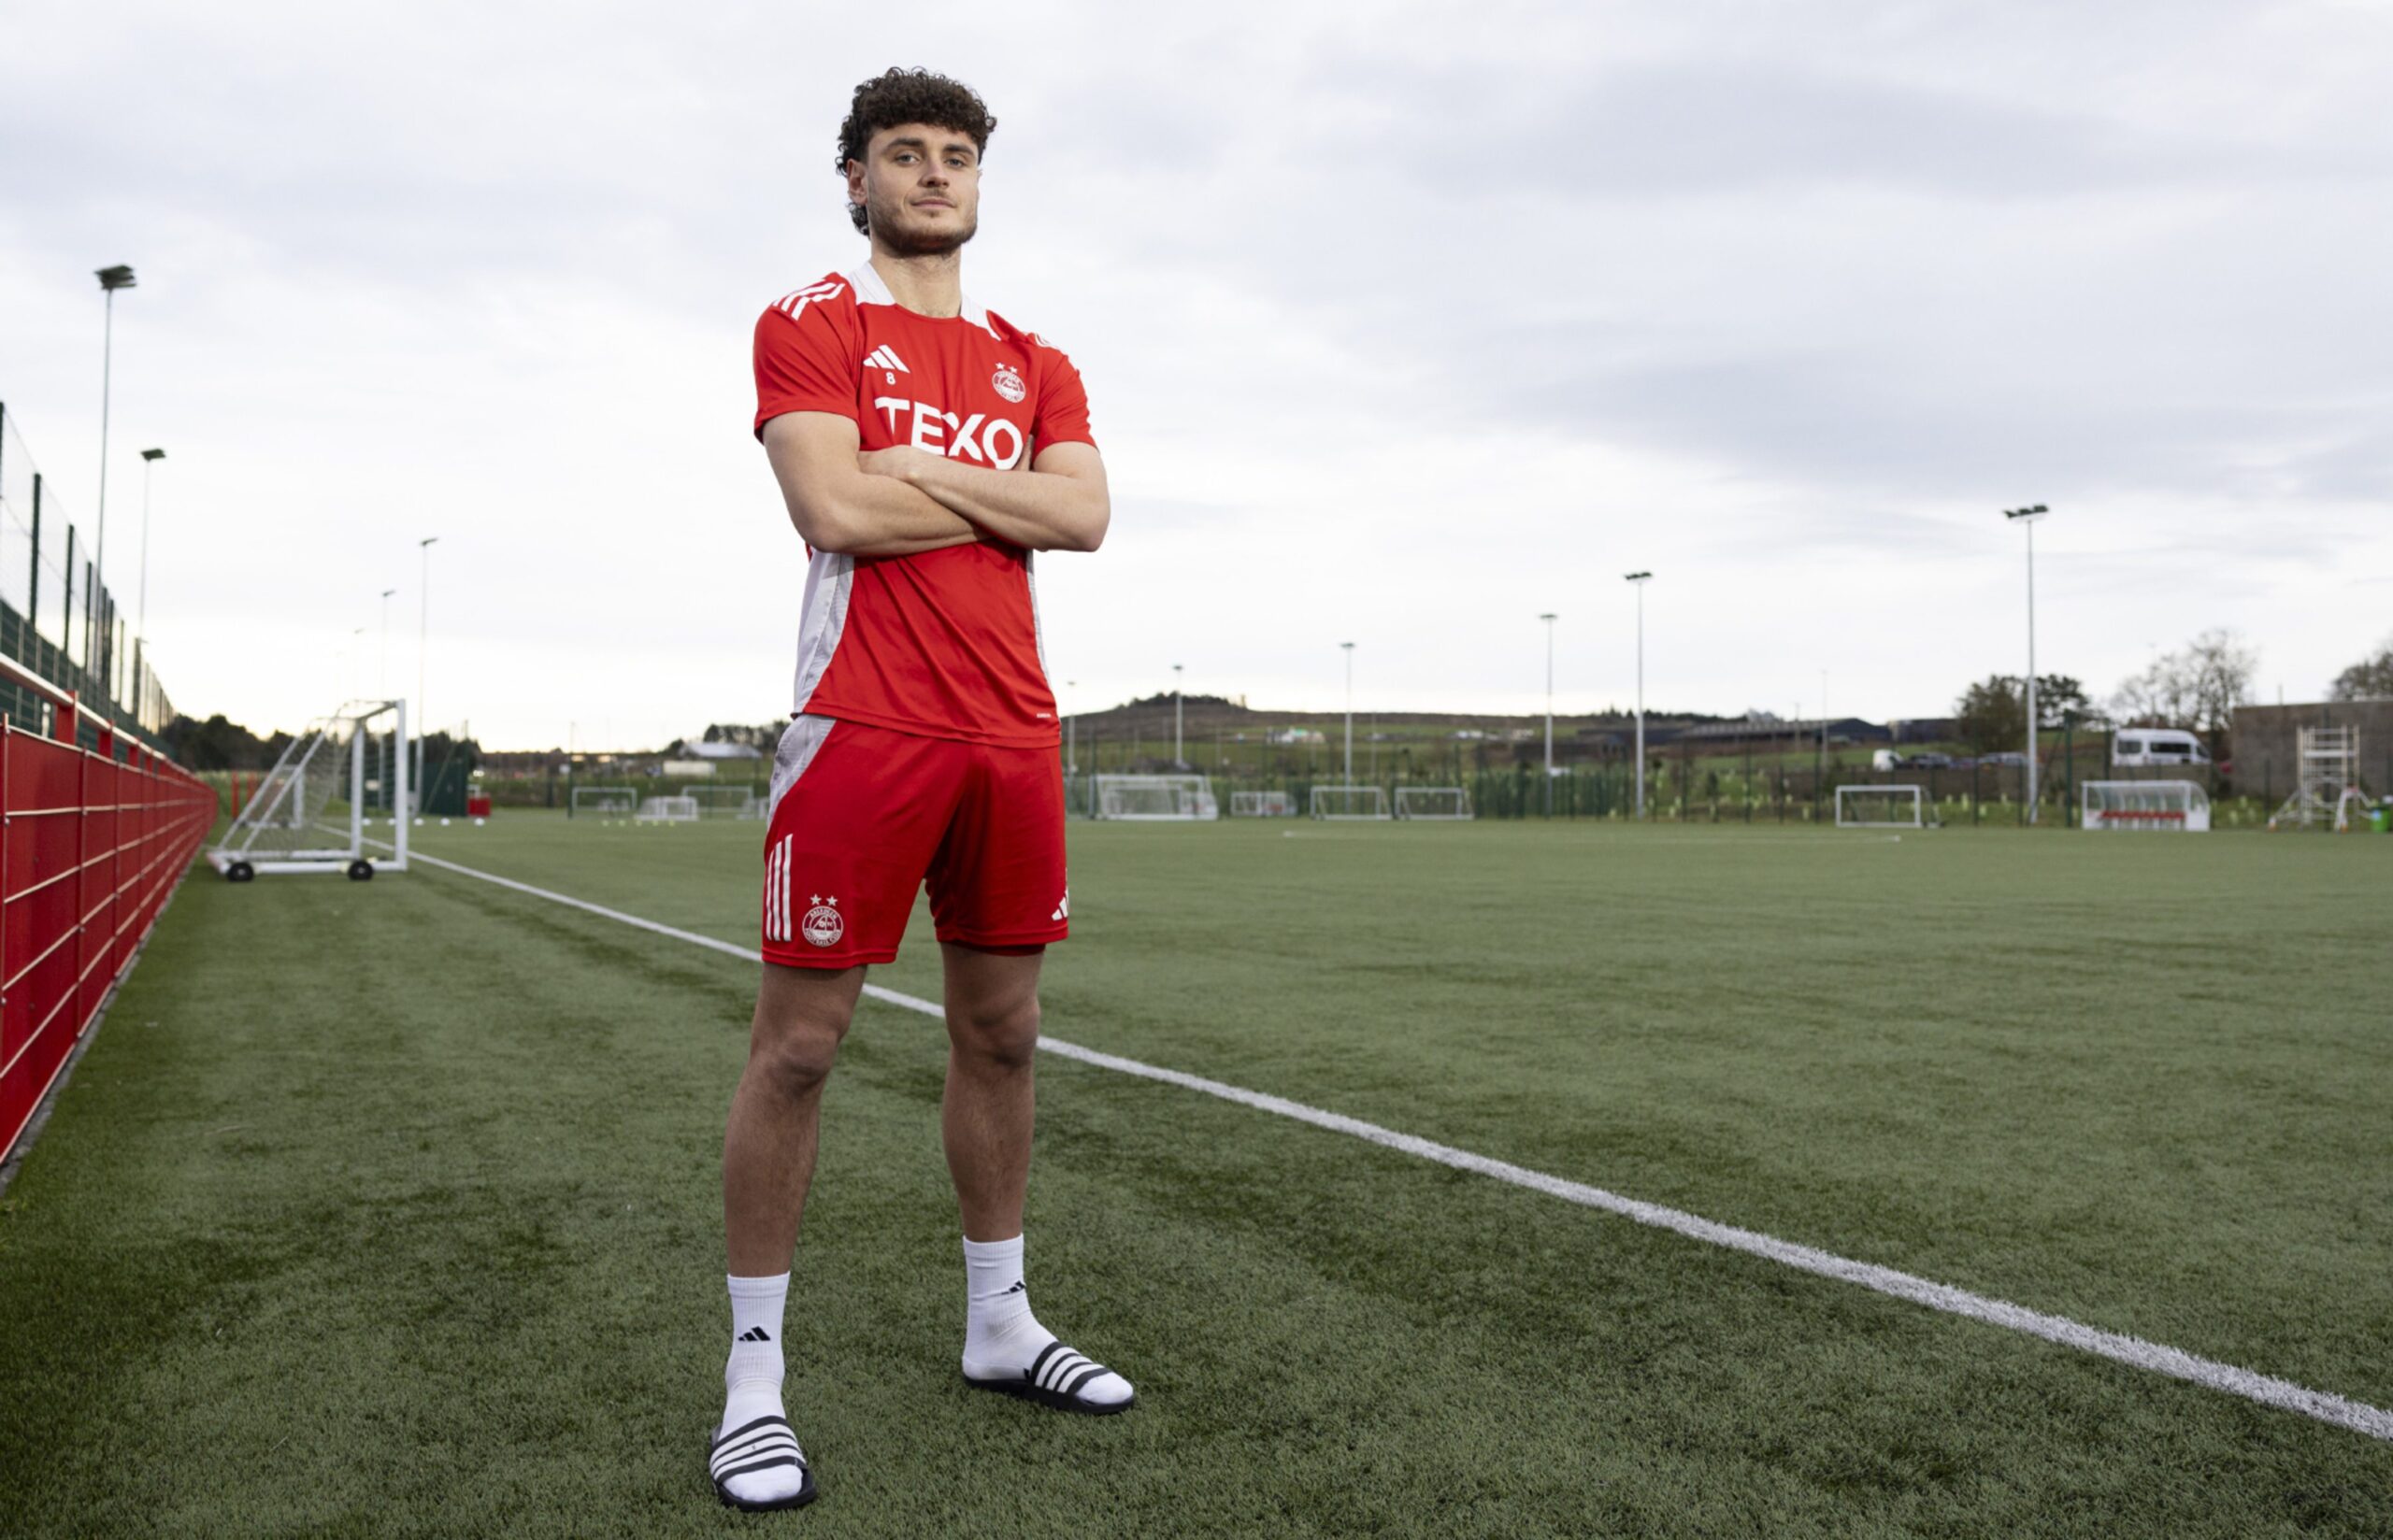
pixel 1060 503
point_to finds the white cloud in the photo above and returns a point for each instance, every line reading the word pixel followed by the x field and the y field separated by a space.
pixel 1401 327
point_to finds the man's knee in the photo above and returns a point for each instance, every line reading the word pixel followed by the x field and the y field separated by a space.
pixel 1003 1033
pixel 795 1038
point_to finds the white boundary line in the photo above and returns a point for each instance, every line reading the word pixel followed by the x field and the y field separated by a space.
pixel 2134 1351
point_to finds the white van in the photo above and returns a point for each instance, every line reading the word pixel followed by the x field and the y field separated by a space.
pixel 2134 745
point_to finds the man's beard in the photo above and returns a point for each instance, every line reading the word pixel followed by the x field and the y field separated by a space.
pixel 901 241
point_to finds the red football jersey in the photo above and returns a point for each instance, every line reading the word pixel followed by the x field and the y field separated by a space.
pixel 946 643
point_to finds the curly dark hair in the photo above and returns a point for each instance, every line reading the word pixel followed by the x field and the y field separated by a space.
pixel 917 95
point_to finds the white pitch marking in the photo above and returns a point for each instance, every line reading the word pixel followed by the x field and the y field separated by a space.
pixel 2159 1357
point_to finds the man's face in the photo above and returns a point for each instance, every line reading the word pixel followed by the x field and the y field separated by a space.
pixel 921 189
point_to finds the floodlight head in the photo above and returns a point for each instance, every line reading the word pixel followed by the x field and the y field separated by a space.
pixel 1548 615
pixel 153 454
pixel 1638 577
pixel 112 279
pixel 429 539
pixel 2031 514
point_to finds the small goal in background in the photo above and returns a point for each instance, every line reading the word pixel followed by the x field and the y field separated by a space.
pixel 1881 808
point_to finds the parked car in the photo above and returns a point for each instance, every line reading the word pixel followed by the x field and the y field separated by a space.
pixel 1929 762
pixel 2013 757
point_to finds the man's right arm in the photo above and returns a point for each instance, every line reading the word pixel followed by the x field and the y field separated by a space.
pixel 839 507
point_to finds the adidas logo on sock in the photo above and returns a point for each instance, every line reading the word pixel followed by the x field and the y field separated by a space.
pixel 1016 1288
pixel 757 1334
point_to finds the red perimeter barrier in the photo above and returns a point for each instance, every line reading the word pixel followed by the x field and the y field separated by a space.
pixel 92 843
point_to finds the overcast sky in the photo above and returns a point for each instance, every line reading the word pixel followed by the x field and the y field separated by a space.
pixel 1401 325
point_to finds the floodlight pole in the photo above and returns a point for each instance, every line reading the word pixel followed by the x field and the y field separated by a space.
pixel 1638 581
pixel 2026 517
pixel 111 280
pixel 422 632
pixel 1548 619
pixel 1349 648
pixel 1177 757
pixel 149 459
pixel 1071 755
pixel 382 683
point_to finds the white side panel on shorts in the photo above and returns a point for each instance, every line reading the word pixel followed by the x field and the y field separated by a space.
pixel 801 740
pixel 821 621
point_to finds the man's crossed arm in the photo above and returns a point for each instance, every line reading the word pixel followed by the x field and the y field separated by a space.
pixel 902 501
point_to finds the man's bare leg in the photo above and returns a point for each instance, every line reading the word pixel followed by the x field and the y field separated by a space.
pixel 769 1147
pixel 985 1117
pixel 769 1141
pixel 985 1121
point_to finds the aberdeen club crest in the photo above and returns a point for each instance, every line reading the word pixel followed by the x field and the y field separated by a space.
pixel 823 926
pixel 1008 380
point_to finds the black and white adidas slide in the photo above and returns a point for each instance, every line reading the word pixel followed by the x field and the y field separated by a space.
pixel 1054 1379
pixel 762 1445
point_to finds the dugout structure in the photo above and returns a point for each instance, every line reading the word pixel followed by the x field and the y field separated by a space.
pixel 2145 807
pixel 1153 799
pixel 1348 803
pixel 1434 804
pixel 680 810
pixel 1881 808
pixel 1262 804
pixel 309 814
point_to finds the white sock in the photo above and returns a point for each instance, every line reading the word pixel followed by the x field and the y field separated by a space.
pixel 1002 1339
pixel 751 1379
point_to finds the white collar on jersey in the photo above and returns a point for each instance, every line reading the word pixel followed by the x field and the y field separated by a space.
pixel 865 281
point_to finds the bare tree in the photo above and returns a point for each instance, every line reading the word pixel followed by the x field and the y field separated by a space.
pixel 2197 687
pixel 2370 678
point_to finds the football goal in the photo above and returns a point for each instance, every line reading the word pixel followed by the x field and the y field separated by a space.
pixel 309 814
pixel 1347 804
pixel 2169 806
pixel 611 803
pixel 1153 799
pixel 680 810
pixel 728 802
pixel 1880 807
pixel 1444 804
pixel 1262 804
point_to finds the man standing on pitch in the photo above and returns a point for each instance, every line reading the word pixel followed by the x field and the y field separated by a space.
pixel 926 447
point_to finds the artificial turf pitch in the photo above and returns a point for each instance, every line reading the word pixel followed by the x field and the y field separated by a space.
pixel 393 1209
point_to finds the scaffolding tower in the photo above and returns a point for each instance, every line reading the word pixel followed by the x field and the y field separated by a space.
pixel 2327 768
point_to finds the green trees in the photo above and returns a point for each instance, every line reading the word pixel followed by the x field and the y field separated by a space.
pixel 1992 714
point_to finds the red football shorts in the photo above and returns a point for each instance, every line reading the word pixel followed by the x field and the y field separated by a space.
pixel 862 817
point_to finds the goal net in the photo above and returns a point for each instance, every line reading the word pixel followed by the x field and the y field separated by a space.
pixel 1153 799
pixel 309 814
pixel 1348 802
pixel 678 809
pixel 1880 807
pixel 1450 804
pixel 1262 804
pixel 603 802
pixel 2170 806
pixel 728 802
